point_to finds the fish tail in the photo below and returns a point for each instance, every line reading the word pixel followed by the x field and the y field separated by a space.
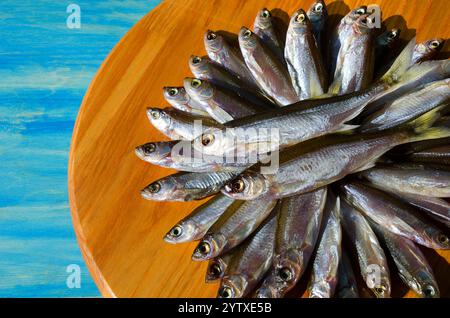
pixel 421 128
pixel 401 63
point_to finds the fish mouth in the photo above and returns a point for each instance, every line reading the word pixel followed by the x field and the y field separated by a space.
pixel 267 292
pixel 140 153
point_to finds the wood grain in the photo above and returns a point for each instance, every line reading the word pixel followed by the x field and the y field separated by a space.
pixel 119 233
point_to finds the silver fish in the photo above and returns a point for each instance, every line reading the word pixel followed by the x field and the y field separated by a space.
pixel 179 99
pixel 324 274
pixel 438 155
pixel 394 215
pixel 270 74
pixel 414 179
pixel 298 227
pixel 218 265
pixel 303 58
pixel 318 15
pixel 347 286
pixel 264 28
pixel 355 62
pixel 222 105
pixel 178 125
pixel 186 186
pixel 370 254
pixel 205 69
pixel 232 228
pixel 220 51
pixel 251 262
pixel 409 106
pixel 412 265
pixel 316 163
pixel 194 226
pixel 427 50
pixel 341 33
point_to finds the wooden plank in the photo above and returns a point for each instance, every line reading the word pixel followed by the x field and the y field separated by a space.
pixel 120 234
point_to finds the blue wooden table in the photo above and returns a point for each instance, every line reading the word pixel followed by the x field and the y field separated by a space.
pixel 46 64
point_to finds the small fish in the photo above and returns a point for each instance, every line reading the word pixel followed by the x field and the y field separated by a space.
pixel 318 15
pixel 324 274
pixel 316 163
pixel 270 74
pixel 264 27
pixel 179 125
pixel 303 58
pixel 368 248
pixel 384 45
pixel 347 287
pixel 402 151
pixel 252 261
pixel 221 52
pixel 340 35
pixel 222 105
pixel 179 99
pixel 205 69
pixel 414 179
pixel 186 186
pixel 394 215
pixel 408 107
pixel 218 265
pixel 412 265
pixel 177 154
pixel 232 228
pixel 355 62
pixel 298 227
pixel 194 226
pixel 438 155
pixel 427 50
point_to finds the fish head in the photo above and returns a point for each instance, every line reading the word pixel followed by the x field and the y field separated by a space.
pixel 175 95
pixel 268 289
pixel 247 39
pixel 214 142
pixel 201 89
pixel 318 11
pixel 364 24
pixel 383 289
pixel 353 15
pixel 216 269
pixel 184 231
pixel 247 186
pixel 213 41
pixel 439 237
pixel 166 189
pixel 210 246
pixel 198 64
pixel 392 36
pixel 289 266
pixel 425 284
pixel 233 286
pixel 159 118
pixel 300 22
pixel 154 152
pixel 429 48
pixel 263 19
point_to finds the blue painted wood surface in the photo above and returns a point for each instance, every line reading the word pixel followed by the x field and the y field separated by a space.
pixel 45 69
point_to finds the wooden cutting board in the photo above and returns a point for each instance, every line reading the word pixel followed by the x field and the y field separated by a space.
pixel 120 234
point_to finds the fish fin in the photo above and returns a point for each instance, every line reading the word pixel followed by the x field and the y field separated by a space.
pixel 367 166
pixel 421 127
pixel 401 63
pixel 346 129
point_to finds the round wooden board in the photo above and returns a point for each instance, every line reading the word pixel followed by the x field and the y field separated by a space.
pixel 120 234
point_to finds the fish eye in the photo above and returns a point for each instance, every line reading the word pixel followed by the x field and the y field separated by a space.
pixel 204 248
pixel 196 83
pixel 435 44
pixel 225 292
pixel 207 140
pixel 173 91
pixel 443 239
pixel 211 36
pixel 154 187
pixel 392 34
pixel 155 114
pixel 266 14
pixel 237 186
pixel 247 33
pixel 149 148
pixel 361 11
pixel 285 274
pixel 429 291
pixel 318 7
pixel 380 289
pixel 300 18
pixel 176 231
pixel 196 59
pixel 215 270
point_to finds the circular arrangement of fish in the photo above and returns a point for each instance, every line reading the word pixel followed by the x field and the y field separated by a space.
pixel 315 150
